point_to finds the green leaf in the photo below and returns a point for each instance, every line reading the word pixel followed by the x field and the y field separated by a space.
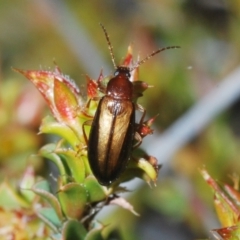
pixel 226 208
pixel 26 184
pixel 75 164
pixel 145 170
pixel 49 216
pixel 10 199
pixel 95 232
pixel 42 189
pixel 57 236
pixel 86 164
pixel 73 230
pixel 73 198
pixel 42 185
pixel 95 190
pixel 50 126
pixel 119 201
pixel 147 167
pixel 48 151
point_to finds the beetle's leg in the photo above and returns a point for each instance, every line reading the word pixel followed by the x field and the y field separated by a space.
pixel 142 128
pixel 85 110
pixel 137 135
pixel 138 139
pixel 80 147
pixel 143 111
pixel 86 123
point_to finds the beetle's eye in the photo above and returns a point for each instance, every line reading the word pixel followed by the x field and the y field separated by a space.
pixel 116 73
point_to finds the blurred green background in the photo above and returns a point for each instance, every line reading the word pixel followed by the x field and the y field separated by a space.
pixel 34 34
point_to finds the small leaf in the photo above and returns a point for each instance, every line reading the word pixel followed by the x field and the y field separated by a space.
pixel 148 168
pixel 48 151
pixel 73 230
pixel 49 216
pixel 224 213
pixel 226 209
pixel 56 236
pixel 124 204
pixel 50 126
pixel 228 233
pixel 92 87
pixel 27 183
pixel 42 189
pixel 140 168
pixel 42 185
pixel 73 198
pixel 65 101
pixel 45 82
pixel 127 61
pixel 233 193
pixel 10 199
pixel 86 164
pixel 95 233
pixel 95 190
pixel 75 164
pixel 138 88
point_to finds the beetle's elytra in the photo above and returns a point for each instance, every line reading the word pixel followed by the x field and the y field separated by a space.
pixel 112 132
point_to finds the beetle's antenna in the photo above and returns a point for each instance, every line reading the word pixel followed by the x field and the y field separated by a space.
pixel 109 45
pixel 140 62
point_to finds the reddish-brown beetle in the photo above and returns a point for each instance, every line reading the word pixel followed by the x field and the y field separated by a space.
pixel 112 132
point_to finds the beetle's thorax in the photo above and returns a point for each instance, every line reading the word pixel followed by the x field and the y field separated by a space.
pixel 120 87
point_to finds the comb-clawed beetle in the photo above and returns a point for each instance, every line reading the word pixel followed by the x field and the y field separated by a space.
pixel 112 131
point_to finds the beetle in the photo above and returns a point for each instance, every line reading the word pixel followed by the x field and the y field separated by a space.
pixel 112 131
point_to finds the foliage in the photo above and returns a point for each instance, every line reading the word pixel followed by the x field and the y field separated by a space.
pixel 226 202
pixel 33 34
pixel 70 210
